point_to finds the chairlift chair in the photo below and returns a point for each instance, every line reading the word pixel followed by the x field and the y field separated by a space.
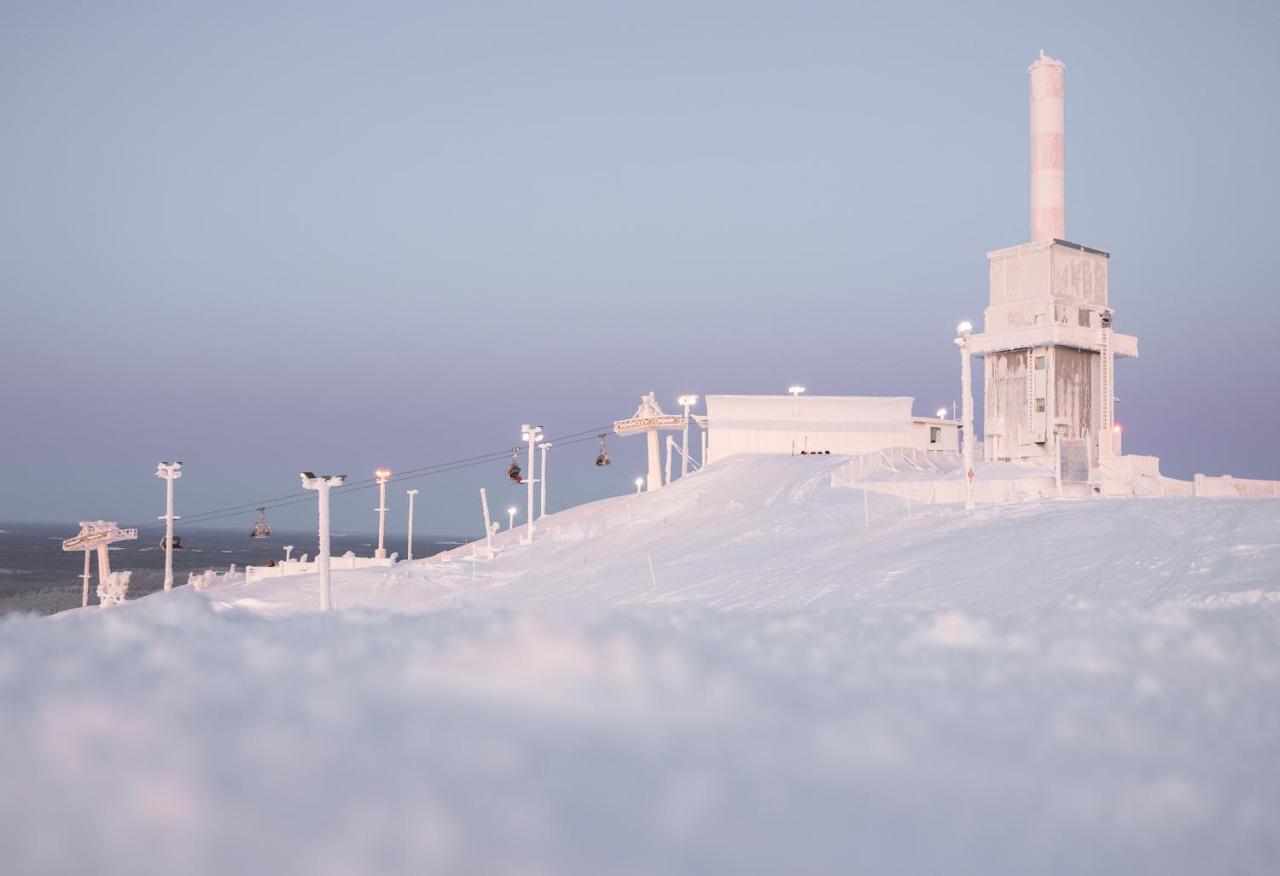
pixel 602 458
pixel 177 542
pixel 513 470
pixel 261 529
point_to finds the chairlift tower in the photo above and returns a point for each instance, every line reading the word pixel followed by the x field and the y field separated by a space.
pixel 322 484
pixel 170 472
pixel 97 535
pixel 649 418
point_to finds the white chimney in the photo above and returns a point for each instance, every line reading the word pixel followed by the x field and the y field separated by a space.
pixel 1048 201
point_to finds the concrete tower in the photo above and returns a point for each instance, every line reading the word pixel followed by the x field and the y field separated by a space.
pixel 1047 341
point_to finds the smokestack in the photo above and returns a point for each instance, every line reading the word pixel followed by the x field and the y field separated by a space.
pixel 1048 201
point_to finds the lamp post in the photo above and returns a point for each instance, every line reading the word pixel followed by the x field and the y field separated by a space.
pixel 963 331
pixel 381 476
pixel 411 494
pixel 639 485
pixel 542 494
pixel 511 518
pixel 170 471
pixel 531 435
pixel 687 401
pixel 795 390
pixel 942 413
pixel 322 484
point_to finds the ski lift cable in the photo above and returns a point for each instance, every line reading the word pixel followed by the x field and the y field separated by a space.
pixel 210 516
pixel 406 475
pixel 489 457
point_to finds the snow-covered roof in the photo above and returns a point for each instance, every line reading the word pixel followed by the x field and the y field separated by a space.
pixel 857 413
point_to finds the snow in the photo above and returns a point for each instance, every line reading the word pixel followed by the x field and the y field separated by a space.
pixel 733 674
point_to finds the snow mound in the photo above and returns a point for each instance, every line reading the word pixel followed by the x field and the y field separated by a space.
pixel 744 672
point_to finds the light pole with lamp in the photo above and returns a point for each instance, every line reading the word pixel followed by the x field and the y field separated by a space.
pixel 511 518
pixel 531 435
pixel 639 485
pixel 795 390
pixel 381 476
pixel 963 331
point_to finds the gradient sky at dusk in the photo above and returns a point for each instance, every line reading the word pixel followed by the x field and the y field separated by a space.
pixel 269 237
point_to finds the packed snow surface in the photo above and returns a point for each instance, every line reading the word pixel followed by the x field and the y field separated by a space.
pixel 740 673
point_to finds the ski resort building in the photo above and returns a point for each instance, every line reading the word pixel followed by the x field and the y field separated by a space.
pixel 1048 343
pixel 792 425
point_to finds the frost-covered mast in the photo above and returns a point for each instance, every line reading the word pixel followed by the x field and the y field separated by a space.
pixel 322 484
pixel 649 418
pixel 170 472
pixel 1047 341
pixel 99 535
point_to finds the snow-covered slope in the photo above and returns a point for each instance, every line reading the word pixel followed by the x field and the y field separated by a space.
pixel 739 673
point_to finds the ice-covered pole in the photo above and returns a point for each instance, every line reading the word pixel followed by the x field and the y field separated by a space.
pixel 381 476
pixel 531 435
pixel 84 597
pixel 687 401
pixel 542 493
pixel 655 460
pixel 322 484
pixel 170 472
pixel 966 399
pixel 1048 195
pixel 411 494
pixel 488 525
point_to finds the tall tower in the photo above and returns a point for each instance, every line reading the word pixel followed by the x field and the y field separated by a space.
pixel 1047 343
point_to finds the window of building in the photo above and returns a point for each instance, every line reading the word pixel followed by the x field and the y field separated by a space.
pixel 1039 406
pixel 935 434
pixel 1040 363
pixel 1084 318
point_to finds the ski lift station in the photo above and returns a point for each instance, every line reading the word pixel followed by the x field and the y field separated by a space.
pixel 808 424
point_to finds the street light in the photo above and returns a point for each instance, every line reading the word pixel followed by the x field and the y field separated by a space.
pixel 511 518
pixel 963 331
pixel 531 435
pixel 639 485
pixel 381 476
pixel 795 390
pixel 322 484
pixel 170 471
pixel 942 413
pixel 411 494
pixel 687 401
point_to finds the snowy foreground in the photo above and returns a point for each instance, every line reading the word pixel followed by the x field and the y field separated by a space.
pixel 735 674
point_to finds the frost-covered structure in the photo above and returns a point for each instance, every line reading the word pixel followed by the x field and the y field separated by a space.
pixel 114 589
pixel 796 424
pixel 1047 342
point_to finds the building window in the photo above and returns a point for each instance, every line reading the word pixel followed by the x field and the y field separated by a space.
pixel 1084 318
pixel 1039 406
pixel 1040 363
pixel 935 434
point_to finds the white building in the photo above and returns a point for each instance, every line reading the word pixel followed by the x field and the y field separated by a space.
pixel 792 425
